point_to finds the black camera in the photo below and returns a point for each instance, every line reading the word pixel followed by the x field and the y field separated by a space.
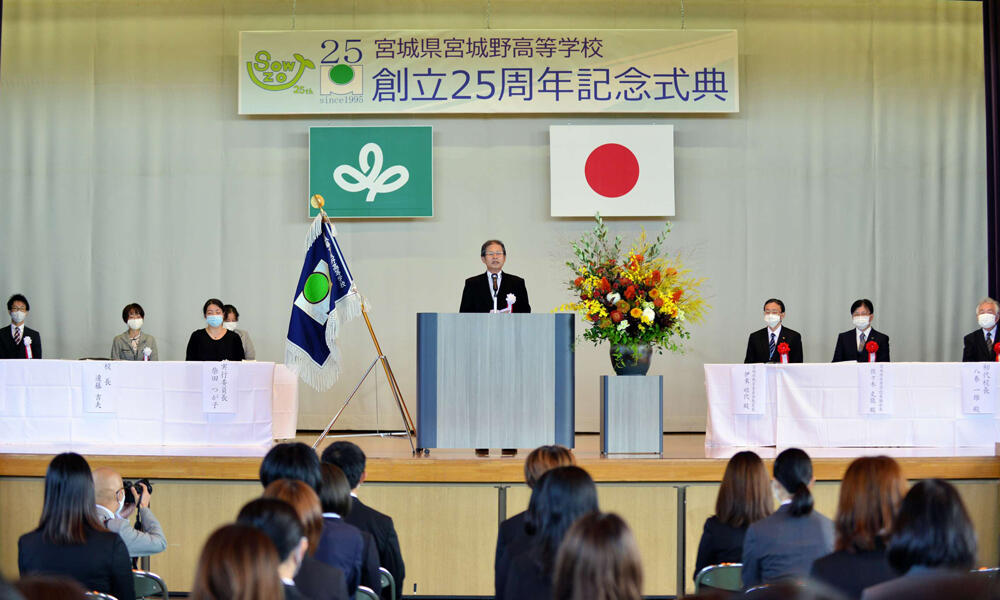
pixel 134 485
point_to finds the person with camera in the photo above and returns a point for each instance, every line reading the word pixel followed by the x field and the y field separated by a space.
pixel 146 537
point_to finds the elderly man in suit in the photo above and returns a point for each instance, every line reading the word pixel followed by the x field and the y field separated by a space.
pixel 853 345
pixel 110 496
pixel 19 340
pixel 489 292
pixel 978 345
pixel 762 346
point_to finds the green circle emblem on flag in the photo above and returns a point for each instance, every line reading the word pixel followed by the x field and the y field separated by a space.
pixel 317 288
pixel 341 74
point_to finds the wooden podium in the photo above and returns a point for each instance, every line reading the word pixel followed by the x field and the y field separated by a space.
pixel 495 380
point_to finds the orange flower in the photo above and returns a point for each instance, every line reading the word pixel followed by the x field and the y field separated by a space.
pixel 630 292
pixel 636 313
pixel 616 317
pixel 623 306
pixel 639 259
pixel 671 272
pixel 677 295
pixel 658 302
pixel 656 276
pixel 605 284
pixel 654 293
pixel 578 281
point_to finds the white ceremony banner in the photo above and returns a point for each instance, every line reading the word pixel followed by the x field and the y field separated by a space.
pixel 979 387
pixel 749 389
pixel 488 71
pixel 98 386
pixel 874 389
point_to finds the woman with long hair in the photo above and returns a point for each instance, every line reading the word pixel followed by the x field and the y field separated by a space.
pixel 598 560
pixel 870 494
pixel 744 498
pixel 561 496
pixel 69 539
pixel 786 543
pixel 238 562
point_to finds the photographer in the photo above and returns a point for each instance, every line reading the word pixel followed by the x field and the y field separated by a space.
pixel 110 495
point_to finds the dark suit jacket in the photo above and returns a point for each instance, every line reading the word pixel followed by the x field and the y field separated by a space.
pixel 974 349
pixel 512 539
pixel 8 350
pixel 341 545
pixel 370 576
pixel 758 350
pixel 852 572
pixel 320 581
pixel 847 347
pixel 476 297
pixel 292 594
pixel 381 527
pixel 932 584
pixel 101 563
pixel 526 579
pixel 781 546
pixel 719 543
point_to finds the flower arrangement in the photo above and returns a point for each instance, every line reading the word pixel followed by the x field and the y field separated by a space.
pixel 643 296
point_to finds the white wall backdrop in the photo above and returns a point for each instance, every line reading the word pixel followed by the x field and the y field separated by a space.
pixel 854 169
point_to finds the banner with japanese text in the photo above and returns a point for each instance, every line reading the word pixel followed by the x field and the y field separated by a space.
pixel 488 71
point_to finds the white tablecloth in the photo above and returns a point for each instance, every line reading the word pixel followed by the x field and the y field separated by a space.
pixel 818 405
pixel 158 410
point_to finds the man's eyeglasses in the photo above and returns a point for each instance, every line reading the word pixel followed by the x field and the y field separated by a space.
pixel 492 254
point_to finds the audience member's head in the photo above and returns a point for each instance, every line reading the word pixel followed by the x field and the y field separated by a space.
pixel 932 529
pixel 351 460
pixel 544 458
pixel 69 508
pixel 335 492
pixel 794 472
pixel 293 460
pixel 870 494
pixel 598 559
pixel 280 523
pixel 238 562
pixel 745 494
pixel 560 497
pixel 48 587
pixel 108 489
pixel 304 500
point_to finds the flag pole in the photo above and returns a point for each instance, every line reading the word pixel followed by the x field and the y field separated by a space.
pixel 317 202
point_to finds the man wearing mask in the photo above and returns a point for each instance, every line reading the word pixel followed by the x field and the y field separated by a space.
pixel 110 497
pixel 763 344
pixel 18 340
pixel 853 345
pixel 979 344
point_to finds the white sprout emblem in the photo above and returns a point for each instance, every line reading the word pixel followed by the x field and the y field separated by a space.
pixel 371 177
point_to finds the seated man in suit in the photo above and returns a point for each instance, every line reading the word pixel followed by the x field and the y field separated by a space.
pixel 110 496
pixel 489 293
pixel 851 345
pixel 351 460
pixel 16 340
pixel 979 344
pixel 762 346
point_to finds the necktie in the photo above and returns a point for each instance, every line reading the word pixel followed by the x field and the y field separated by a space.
pixel 989 341
pixel 494 284
pixel 17 336
pixel 861 341
pixel 770 346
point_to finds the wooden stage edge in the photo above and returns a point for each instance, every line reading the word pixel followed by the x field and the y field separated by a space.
pixel 685 459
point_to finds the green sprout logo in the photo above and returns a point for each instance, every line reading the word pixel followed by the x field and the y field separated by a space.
pixel 274 75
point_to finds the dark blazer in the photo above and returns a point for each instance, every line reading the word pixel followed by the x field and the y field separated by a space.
pixel 512 539
pixel 101 563
pixel 381 527
pixel 758 350
pixel 370 576
pixel 320 581
pixel 719 543
pixel 852 572
pixel 476 297
pixel 526 579
pixel 781 546
pixel 341 545
pixel 932 584
pixel 291 593
pixel 974 347
pixel 847 347
pixel 9 350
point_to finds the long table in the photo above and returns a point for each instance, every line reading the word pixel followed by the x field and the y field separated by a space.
pixel 837 405
pixel 145 408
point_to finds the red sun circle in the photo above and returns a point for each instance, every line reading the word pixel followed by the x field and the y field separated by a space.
pixel 611 170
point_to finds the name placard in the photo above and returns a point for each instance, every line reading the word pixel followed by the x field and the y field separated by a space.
pixel 749 389
pixel 99 386
pixel 979 387
pixel 218 393
pixel 874 389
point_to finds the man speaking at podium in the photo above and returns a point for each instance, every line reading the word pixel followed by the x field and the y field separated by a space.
pixel 489 292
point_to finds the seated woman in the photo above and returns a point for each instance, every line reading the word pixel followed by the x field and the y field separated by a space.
pixel 214 342
pixel 238 562
pixel 343 545
pixel 870 494
pixel 785 544
pixel 230 320
pixel 69 539
pixel 317 580
pixel 561 496
pixel 134 344
pixel 933 545
pixel 598 558
pixel 744 498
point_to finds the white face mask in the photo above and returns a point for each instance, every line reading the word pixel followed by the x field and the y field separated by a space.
pixel 772 320
pixel 230 325
pixel 135 324
pixel 862 322
pixel 987 320
pixel 17 316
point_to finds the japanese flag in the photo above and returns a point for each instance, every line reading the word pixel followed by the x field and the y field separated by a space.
pixel 616 170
